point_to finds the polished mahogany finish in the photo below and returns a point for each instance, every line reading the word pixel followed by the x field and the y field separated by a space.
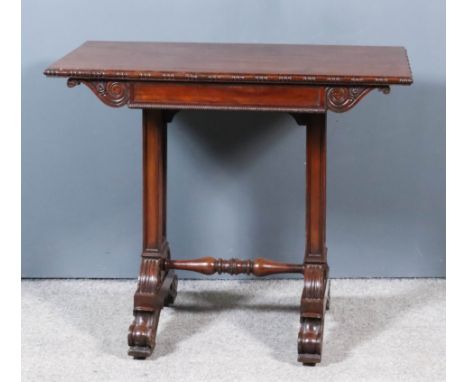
pixel 228 96
pixel 234 63
pixel 163 78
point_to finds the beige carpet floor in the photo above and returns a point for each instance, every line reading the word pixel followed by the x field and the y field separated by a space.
pixel 376 330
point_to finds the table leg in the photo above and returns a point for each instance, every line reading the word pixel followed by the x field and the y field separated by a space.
pixel 315 294
pixel 156 286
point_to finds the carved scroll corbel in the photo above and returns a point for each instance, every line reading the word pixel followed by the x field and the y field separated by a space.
pixel 341 99
pixel 112 93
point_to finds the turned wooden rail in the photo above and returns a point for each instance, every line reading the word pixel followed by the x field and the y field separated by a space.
pixel 209 265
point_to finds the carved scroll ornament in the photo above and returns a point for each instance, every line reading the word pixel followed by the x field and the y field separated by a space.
pixel 112 93
pixel 313 305
pixel 341 99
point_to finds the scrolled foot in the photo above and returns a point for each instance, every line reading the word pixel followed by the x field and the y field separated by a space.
pixel 142 334
pixel 309 342
pixel 313 306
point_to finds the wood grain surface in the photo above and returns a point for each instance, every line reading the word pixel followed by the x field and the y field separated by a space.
pixel 311 64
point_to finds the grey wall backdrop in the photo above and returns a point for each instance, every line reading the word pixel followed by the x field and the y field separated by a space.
pixel 236 180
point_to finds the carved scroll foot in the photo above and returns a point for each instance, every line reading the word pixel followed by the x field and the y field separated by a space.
pixel 156 288
pixel 142 334
pixel 310 340
pixel 313 306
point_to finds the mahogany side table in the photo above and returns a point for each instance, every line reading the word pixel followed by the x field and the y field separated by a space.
pixel 162 78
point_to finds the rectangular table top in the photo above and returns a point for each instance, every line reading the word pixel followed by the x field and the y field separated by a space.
pixel 236 63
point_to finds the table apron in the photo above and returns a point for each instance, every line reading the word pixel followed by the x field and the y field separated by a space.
pixel 289 98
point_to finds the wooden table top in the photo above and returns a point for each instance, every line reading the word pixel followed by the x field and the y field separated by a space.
pixel 236 63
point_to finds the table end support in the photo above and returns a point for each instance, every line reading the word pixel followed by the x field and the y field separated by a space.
pixel 157 287
pixel 315 294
